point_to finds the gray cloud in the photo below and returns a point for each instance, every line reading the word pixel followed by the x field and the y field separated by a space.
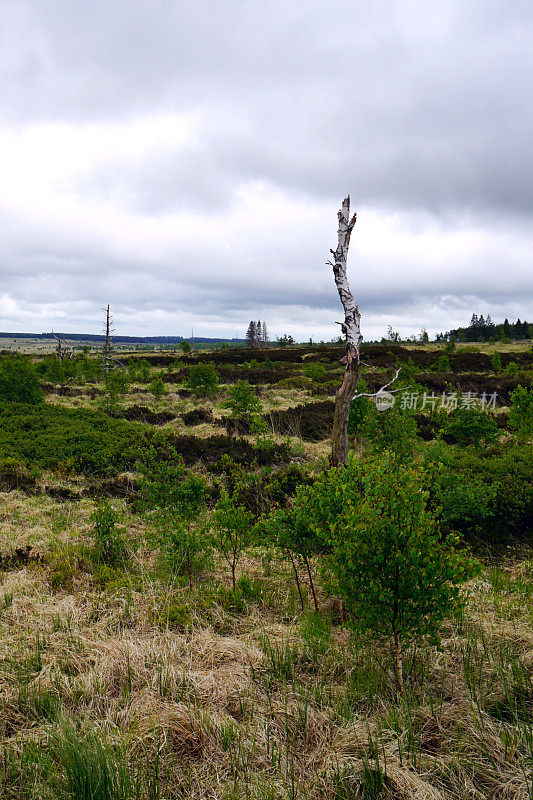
pixel 421 110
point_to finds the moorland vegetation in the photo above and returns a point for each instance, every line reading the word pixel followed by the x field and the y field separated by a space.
pixel 194 604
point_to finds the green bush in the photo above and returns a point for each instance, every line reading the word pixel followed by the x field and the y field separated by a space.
pixel 157 388
pixel 115 387
pixel 398 576
pixel 203 379
pixel 14 475
pixel 511 368
pixel 470 426
pixel 52 437
pixel 18 381
pixel 490 496
pixel 315 370
pixel 393 430
pixel 109 545
pixel 443 364
pixel 496 362
pixel 175 500
pixel 297 382
pixel 521 413
pixel 242 402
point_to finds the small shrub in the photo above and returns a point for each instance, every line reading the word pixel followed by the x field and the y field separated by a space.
pixel 397 575
pixel 315 370
pixel 521 413
pixel 297 382
pixel 157 388
pixel 443 364
pixel 18 381
pixel 116 386
pixel 203 379
pixel 393 430
pixel 470 426
pixel 496 362
pixel 243 402
pixel 109 545
pixel 14 475
pixel 176 500
pixel 511 368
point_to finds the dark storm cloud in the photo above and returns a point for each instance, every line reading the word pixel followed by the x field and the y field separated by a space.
pixel 421 109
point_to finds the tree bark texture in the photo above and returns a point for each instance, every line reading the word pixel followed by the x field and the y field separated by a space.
pixel 351 329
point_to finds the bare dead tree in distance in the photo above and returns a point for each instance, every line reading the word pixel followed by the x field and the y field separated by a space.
pixel 107 341
pixel 61 348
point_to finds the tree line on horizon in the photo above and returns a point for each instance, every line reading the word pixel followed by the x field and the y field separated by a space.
pixel 483 329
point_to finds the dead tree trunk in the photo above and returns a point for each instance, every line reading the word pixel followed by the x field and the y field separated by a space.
pixel 61 348
pixel 351 328
pixel 107 342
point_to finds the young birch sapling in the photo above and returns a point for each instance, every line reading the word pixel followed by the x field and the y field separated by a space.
pixel 398 576
pixel 232 530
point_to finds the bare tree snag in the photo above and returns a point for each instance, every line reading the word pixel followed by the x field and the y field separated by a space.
pixel 107 342
pixel 351 328
pixel 62 351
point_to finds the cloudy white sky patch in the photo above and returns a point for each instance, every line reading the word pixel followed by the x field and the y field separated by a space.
pixel 185 163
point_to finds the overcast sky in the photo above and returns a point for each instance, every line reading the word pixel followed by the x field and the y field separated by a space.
pixel 185 163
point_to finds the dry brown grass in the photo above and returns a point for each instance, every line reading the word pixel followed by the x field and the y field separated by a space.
pixel 258 702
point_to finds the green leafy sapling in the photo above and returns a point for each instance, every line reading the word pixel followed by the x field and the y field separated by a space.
pixel 297 532
pixel 232 530
pixel 521 413
pixel 109 544
pixel 157 388
pixel 175 500
pixel 203 380
pixel 242 402
pixel 115 386
pixel 496 362
pixel 397 575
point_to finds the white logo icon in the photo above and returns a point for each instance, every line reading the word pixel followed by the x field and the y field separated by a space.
pixel 384 401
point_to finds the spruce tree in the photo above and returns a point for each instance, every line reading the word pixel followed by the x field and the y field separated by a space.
pixel 251 334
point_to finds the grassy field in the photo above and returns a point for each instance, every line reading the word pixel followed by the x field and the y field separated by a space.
pixel 120 680
pixel 208 694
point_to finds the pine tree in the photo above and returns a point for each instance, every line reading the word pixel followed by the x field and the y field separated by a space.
pixel 251 335
pixel 258 334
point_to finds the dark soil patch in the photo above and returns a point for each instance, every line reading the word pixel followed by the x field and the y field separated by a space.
pixel 197 416
pixel 210 451
pixel 311 421
pixel 20 558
